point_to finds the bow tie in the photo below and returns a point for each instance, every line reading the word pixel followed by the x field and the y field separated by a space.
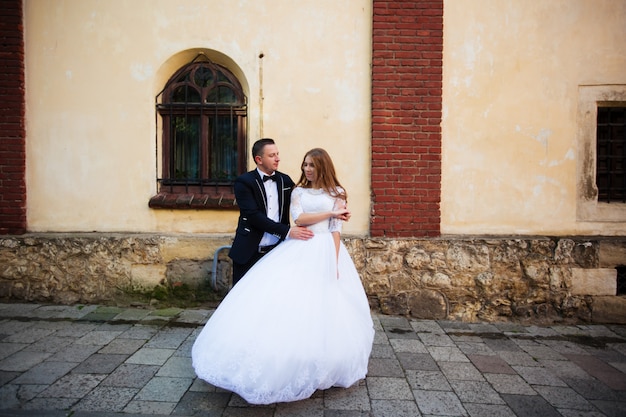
pixel 269 177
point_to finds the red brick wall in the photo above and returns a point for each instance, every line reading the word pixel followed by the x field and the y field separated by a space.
pixel 12 132
pixel 406 118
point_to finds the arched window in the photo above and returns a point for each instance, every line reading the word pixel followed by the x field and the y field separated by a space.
pixel 203 112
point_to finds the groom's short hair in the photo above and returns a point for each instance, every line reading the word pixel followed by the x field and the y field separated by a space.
pixel 257 148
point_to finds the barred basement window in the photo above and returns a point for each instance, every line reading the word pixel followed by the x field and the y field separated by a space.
pixel 621 280
pixel 203 111
pixel 600 158
pixel 611 154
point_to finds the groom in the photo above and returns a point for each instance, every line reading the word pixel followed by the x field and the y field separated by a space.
pixel 263 196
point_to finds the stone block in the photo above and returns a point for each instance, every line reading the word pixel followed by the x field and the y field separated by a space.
pixel 609 310
pixel 600 281
pixel 190 272
pixel 394 304
pixel 147 276
pixel 428 304
pixel 612 254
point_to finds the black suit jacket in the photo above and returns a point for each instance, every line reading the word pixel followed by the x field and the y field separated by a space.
pixel 253 220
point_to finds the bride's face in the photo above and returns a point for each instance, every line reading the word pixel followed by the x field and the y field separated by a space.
pixel 309 169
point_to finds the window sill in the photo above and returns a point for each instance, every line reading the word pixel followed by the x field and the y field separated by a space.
pixel 193 201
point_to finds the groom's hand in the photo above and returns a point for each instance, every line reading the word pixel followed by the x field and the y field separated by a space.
pixel 301 233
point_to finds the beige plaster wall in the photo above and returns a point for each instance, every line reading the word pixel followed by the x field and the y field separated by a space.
pixel 512 71
pixel 93 69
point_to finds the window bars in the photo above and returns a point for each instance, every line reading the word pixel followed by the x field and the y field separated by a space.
pixel 611 154
pixel 203 112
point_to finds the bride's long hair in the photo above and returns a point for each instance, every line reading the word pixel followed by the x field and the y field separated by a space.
pixel 325 171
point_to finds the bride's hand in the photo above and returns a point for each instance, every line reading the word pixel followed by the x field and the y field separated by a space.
pixel 342 214
pixel 347 215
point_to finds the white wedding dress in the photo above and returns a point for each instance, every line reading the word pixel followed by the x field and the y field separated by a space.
pixel 290 326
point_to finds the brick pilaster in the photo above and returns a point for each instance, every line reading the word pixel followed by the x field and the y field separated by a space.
pixel 407 61
pixel 12 110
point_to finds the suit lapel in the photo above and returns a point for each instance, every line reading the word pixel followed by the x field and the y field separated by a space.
pixel 259 183
pixel 281 195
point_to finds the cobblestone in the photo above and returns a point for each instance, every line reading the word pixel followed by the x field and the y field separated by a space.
pixel 98 361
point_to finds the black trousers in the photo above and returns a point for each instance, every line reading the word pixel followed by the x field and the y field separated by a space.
pixel 239 270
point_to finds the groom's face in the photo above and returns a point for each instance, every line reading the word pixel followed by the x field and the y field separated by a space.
pixel 268 161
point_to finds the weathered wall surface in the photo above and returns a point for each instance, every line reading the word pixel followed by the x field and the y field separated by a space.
pixel 94 68
pixel 508 81
pixel 465 279
pixel 512 77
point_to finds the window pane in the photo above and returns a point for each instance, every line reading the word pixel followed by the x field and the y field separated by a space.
pixel 183 77
pixel 203 77
pixel 186 147
pixel 222 94
pixel 185 94
pixel 223 147
pixel 221 78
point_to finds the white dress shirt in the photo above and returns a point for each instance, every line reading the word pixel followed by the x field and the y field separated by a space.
pixel 273 212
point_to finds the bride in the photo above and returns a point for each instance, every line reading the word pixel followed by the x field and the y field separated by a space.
pixel 299 320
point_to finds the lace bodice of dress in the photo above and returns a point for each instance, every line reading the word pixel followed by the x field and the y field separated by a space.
pixel 307 200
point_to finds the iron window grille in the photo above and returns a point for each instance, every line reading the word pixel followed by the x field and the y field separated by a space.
pixel 611 154
pixel 621 279
pixel 203 111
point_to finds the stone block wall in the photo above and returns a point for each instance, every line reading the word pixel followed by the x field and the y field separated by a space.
pixel 454 278
pixel 493 279
pixel 92 268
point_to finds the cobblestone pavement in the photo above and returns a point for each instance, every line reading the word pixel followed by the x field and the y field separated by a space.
pixel 105 361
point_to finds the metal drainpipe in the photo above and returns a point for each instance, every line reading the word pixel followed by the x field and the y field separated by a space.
pixel 214 272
